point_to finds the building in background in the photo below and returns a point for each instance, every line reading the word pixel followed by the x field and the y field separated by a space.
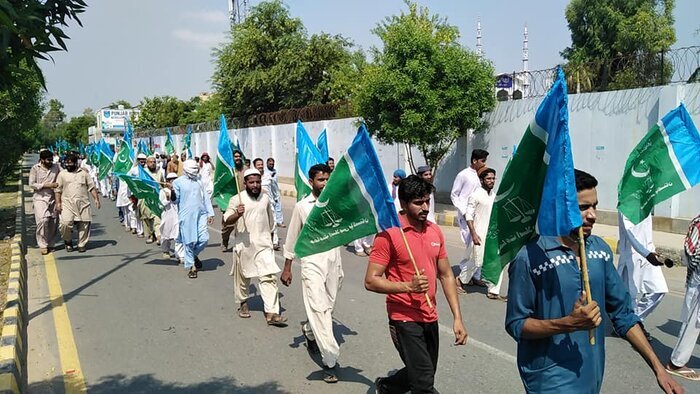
pixel 111 123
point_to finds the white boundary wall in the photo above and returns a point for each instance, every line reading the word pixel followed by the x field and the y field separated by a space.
pixel 604 128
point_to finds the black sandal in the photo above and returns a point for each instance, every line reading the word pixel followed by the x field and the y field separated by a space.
pixel 192 274
pixel 277 320
pixel 330 375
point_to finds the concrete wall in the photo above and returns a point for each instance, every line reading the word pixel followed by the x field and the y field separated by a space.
pixel 604 128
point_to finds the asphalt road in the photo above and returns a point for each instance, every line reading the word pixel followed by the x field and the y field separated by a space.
pixel 140 326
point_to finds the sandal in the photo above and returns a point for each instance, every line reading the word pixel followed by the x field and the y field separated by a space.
pixel 460 290
pixel 276 320
pixel 330 375
pixel 684 372
pixel 243 311
pixel 498 297
pixel 192 274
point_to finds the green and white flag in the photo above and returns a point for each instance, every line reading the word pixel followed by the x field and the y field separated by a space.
pixel 225 185
pixel 169 145
pixel 145 188
pixel 123 162
pixel 104 163
pixel 664 163
pixel 355 202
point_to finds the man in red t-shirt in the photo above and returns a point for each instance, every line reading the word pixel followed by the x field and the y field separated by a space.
pixel 412 322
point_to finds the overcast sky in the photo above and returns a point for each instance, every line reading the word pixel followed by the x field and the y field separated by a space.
pixel 128 49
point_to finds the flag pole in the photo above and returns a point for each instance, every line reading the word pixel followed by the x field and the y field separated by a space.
pixel 584 272
pixel 415 266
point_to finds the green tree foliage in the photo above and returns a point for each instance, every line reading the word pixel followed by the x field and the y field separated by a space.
pixel 54 114
pixel 29 30
pixel 160 112
pixel 199 110
pixel 424 89
pixel 20 115
pixel 620 42
pixel 76 130
pixel 271 63
pixel 116 104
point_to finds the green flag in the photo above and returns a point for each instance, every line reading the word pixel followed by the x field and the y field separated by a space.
pixel 104 163
pixel 123 162
pixel 145 188
pixel 225 185
pixel 169 146
pixel 664 163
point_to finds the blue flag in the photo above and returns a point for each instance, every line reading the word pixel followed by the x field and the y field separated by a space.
pixel 322 145
pixel 307 156
pixel 355 202
pixel 129 138
pixel 145 188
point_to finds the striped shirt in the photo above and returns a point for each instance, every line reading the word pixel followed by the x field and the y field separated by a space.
pixel 692 250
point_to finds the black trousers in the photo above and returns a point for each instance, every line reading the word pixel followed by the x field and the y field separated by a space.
pixel 418 345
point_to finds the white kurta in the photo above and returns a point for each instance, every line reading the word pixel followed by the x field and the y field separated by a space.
pixel 479 208
pixel 253 235
pixel 634 245
pixel 465 183
pixel 394 192
pixel 168 220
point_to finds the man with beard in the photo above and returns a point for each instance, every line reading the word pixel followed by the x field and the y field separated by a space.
pixel 173 164
pixel 151 222
pixel 206 172
pixel 273 190
pixel 42 179
pixel 321 277
pixel 478 214
pixel 250 212
pixel 73 203
pixel 548 316
pixel 195 213
pixel 239 170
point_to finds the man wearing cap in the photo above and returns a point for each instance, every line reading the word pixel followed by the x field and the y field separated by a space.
pixel 194 213
pixel 42 180
pixel 399 174
pixel 426 173
pixel 250 212
pixel 272 188
pixel 169 230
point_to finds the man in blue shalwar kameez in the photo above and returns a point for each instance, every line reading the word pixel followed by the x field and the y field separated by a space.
pixel 549 319
pixel 195 213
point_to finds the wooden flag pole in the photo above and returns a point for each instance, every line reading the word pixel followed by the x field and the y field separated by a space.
pixel 415 266
pixel 238 187
pixel 584 272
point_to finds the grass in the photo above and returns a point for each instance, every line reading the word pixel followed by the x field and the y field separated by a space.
pixel 8 209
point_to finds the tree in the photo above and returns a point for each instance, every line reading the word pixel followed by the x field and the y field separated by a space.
pixel 116 104
pixel 621 41
pixel 424 89
pixel 55 115
pixel 160 112
pixel 20 115
pixel 198 110
pixel 271 64
pixel 30 30
pixel 76 130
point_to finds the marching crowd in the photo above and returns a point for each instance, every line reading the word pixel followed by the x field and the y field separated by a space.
pixel 546 310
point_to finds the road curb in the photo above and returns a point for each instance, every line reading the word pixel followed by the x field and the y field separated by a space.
pixel 13 340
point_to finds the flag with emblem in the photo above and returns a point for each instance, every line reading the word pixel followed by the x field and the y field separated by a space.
pixel 225 185
pixel 145 188
pixel 664 163
pixel 322 145
pixel 123 162
pixel 143 148
pixel 104 163
pixel 169 145
pixel 129 138
pixel 538 190
pixel 307 155
pixel 355 202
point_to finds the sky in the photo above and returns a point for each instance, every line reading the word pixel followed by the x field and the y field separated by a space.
pixel 130 49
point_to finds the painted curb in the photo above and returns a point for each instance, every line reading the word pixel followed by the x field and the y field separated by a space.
pixel 13 340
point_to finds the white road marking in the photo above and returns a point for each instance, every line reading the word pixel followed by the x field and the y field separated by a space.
pixel 471 341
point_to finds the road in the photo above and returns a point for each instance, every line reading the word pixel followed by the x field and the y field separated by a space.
pixel 122 319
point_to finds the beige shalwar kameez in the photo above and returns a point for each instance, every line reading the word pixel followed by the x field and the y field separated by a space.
pixel 44 203
pixel 253 256
pixel 321 279
pixel 75 188
pixel 151 222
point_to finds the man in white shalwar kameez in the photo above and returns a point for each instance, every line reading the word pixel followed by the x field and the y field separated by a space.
pixel 251 214
pixel 478 214
pixel 639 265
pixel 467 182
pixel 194 214
pixel 272 188
pixel 169 230
pixel 321 278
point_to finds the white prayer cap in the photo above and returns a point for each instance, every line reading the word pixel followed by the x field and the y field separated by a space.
pixel 171 175
pixel 250 171
pixel 141 156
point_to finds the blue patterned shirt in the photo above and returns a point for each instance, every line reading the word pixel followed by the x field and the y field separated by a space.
pixel 545 282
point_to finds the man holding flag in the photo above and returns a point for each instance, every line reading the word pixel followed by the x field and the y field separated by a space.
pixel 410 300
pixel 554 294
pixel 321 277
